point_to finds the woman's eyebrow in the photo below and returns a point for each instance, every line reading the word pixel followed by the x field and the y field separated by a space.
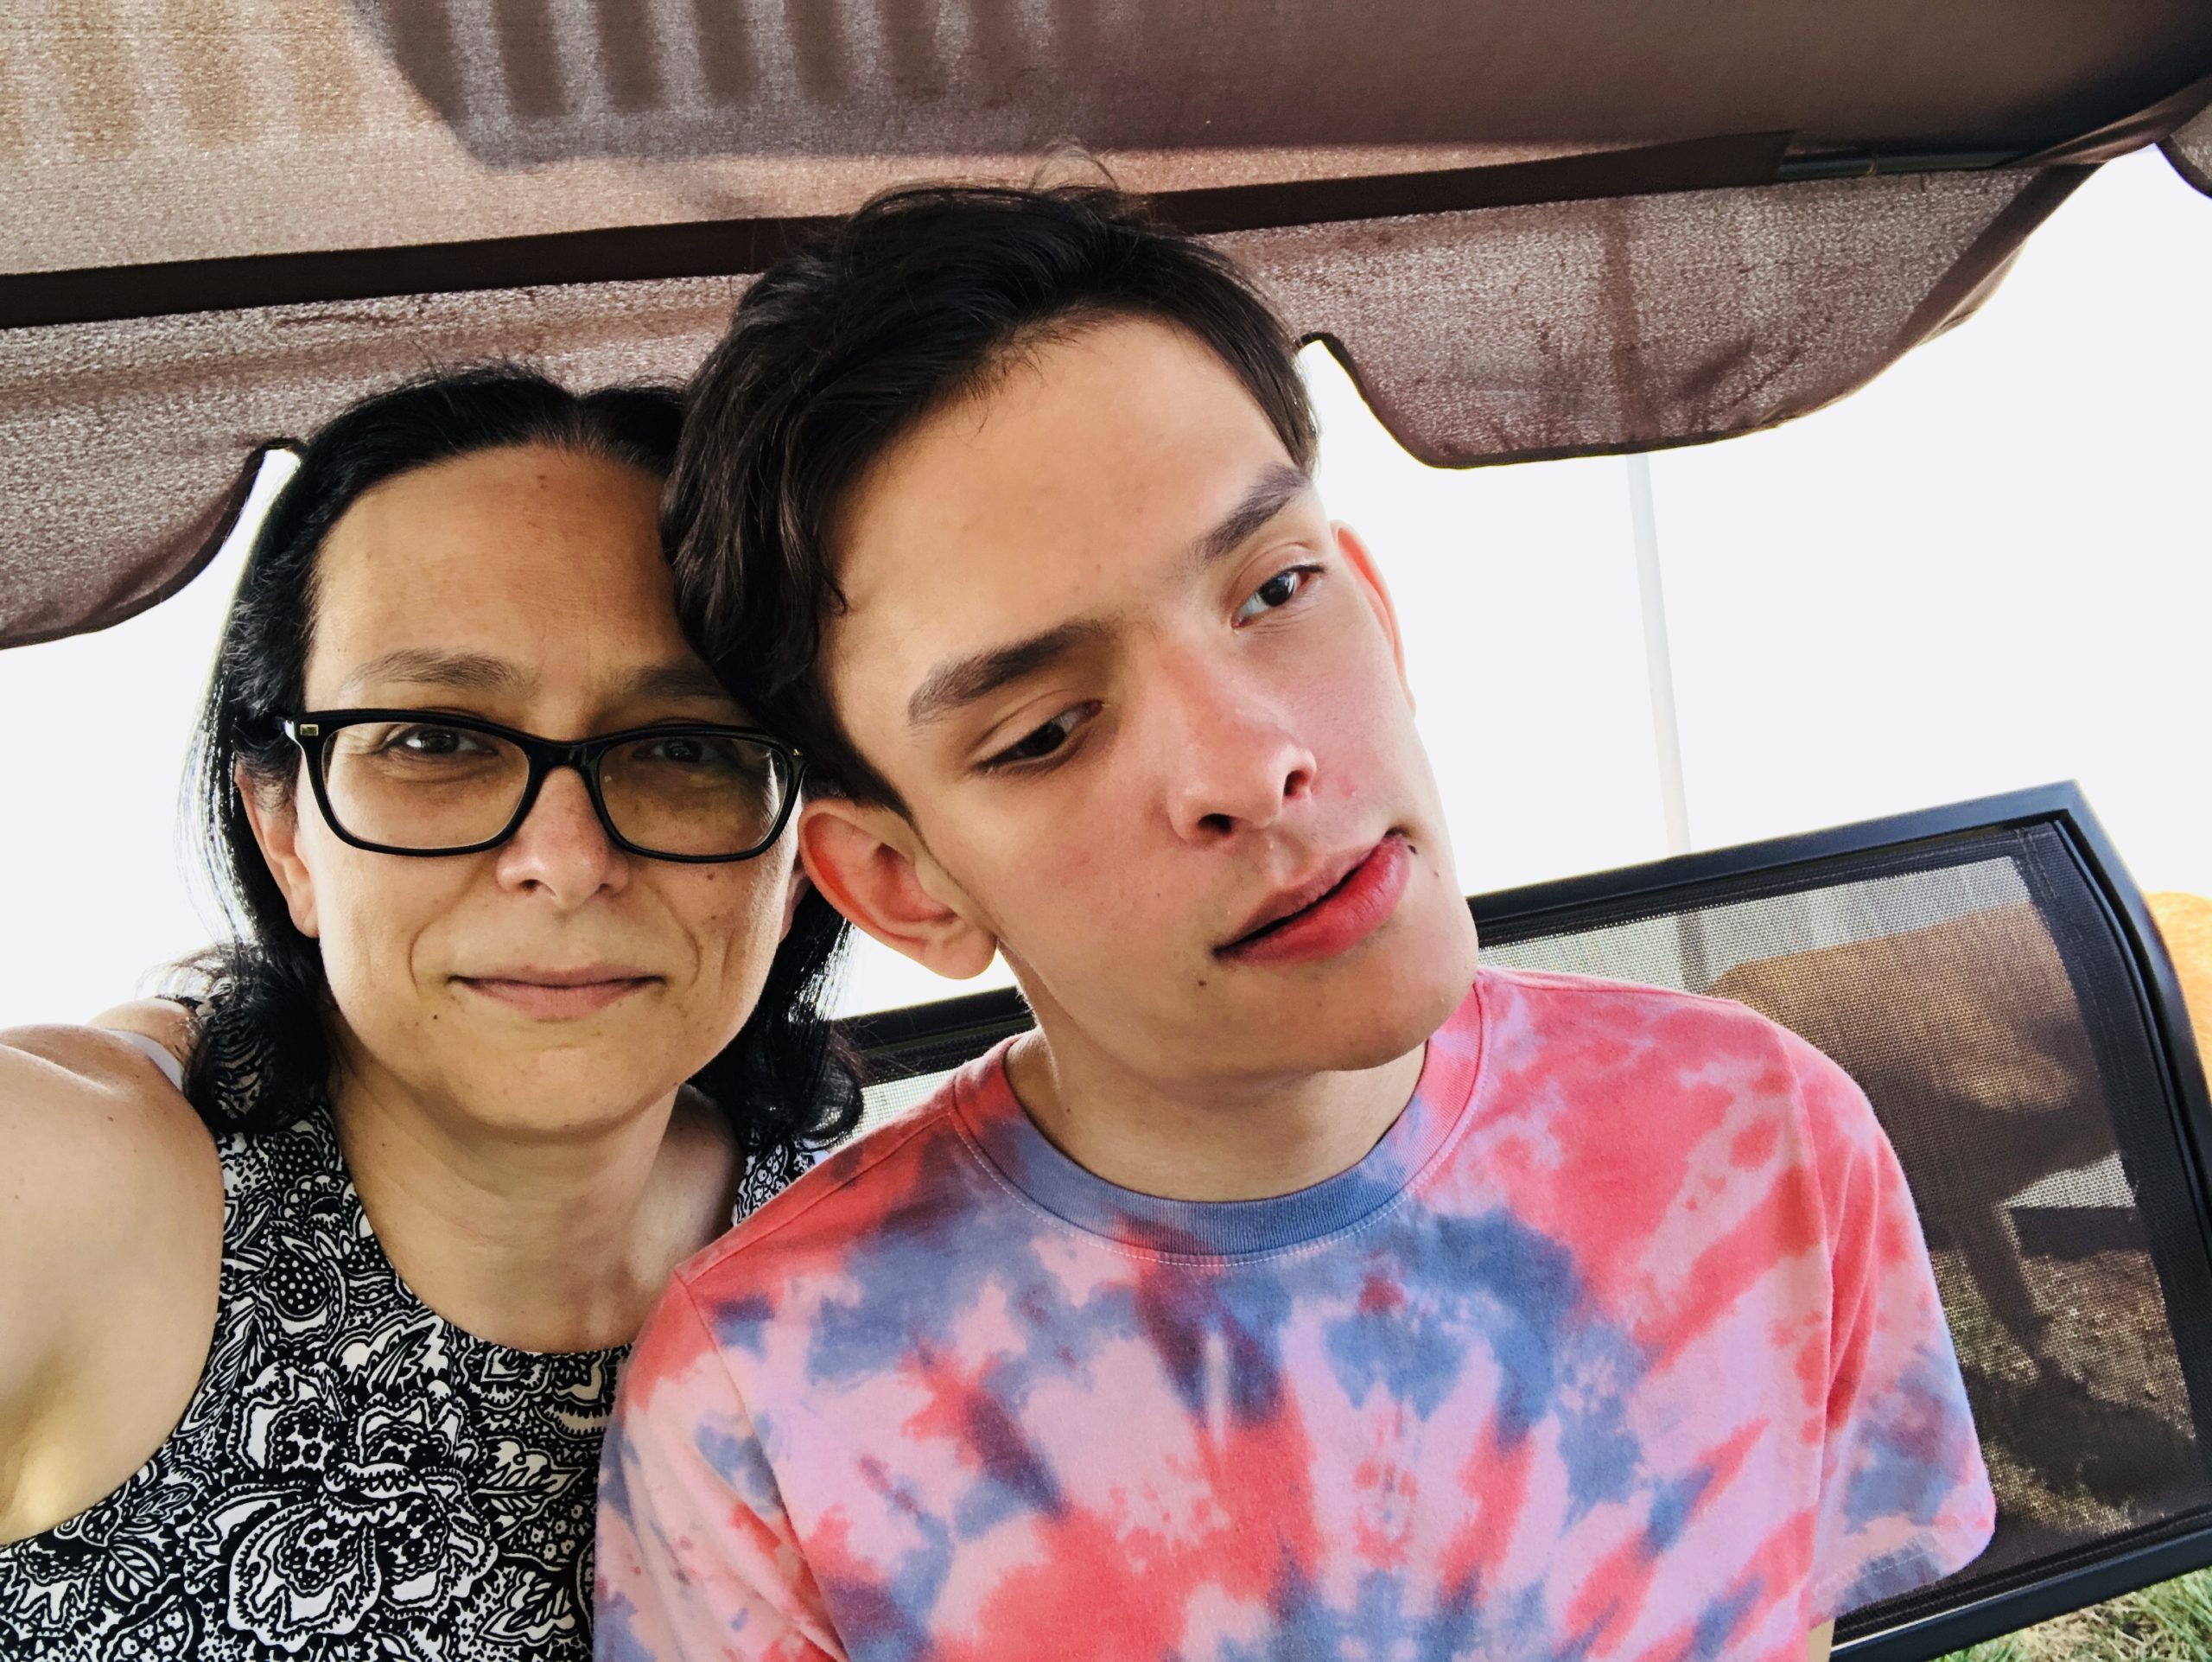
pixel 472 671
pixel 427 666
pixel 679 678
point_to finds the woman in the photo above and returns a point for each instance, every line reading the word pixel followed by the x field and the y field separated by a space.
pixel 312 1357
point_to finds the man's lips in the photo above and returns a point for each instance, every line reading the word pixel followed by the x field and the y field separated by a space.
pixel 558 993
pixel 1340 905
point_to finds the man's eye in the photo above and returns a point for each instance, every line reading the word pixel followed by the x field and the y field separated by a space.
pixel 1277 591
pixel 1041 742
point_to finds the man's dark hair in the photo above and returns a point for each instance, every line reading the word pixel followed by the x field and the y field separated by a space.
pixel 842 348
pixel 264 1003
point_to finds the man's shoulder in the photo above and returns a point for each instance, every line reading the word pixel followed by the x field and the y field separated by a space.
pixel 1610 1047
pixel 1595 1040
pixel 1552 998
pixel 841 1198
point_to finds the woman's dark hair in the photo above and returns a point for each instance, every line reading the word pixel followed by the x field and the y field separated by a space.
pixel 263 1049
pixel 841 348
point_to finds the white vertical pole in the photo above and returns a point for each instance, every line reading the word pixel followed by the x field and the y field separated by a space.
pixel 1658 662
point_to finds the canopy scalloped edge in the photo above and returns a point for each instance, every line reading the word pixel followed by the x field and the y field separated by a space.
pixel 1642 324
pixel 1599 302
pixel 2190 149
pixel 133 592
pixel 1478 334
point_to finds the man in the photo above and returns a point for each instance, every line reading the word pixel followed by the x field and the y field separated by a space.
pixel 1280 1295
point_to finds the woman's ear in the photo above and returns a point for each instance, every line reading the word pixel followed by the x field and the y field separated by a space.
pixel 797 888
pixel 276 822
pixel 870 865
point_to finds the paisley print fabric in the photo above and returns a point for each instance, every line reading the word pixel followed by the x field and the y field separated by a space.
pixel 353 1477
pixel 1622 1343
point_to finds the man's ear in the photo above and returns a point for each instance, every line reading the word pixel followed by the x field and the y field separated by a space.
pixel 276 824
pixel 870 865
pixel 1361 558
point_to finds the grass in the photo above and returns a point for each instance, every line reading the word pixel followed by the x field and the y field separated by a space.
pixel 2170 1623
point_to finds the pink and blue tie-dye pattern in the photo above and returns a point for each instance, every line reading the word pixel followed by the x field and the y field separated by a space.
pixel 1622 1343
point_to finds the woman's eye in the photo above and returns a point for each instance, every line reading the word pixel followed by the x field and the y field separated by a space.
pixel 431 740
pixel 1041 742
pixel 1277 591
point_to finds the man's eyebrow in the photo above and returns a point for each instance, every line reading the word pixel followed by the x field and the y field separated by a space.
pixel 961 681
pixel 951 686
pixel 1271 493
pixel 465 671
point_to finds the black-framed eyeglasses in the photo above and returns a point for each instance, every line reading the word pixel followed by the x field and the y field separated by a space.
pixel 418 782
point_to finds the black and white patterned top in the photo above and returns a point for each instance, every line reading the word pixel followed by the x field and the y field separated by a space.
pixel 354 1476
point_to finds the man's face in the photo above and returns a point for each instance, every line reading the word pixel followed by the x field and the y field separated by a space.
pixel 1143 701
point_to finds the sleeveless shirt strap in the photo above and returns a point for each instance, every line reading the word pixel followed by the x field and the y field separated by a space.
pixel 159 1054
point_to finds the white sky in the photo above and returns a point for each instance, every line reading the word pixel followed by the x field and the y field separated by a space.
pixel 1991 569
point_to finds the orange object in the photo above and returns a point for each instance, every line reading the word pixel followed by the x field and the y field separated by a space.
pixel 2185 924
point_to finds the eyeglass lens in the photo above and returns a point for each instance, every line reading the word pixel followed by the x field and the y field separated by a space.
pixel 417 785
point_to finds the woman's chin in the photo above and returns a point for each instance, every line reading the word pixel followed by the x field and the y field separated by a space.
pixel 563 1095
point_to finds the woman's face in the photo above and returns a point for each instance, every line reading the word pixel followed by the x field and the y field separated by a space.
pixel 554 985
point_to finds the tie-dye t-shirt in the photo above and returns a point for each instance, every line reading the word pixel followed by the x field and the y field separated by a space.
pixel 1621 1343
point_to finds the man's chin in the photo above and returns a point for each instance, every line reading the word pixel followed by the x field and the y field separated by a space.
pixel 1378 1035
pixel 1370 1016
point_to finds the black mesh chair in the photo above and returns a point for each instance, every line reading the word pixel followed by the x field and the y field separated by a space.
pixel 1988 974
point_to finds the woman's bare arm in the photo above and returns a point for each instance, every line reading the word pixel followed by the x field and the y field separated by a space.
pixel 110 1241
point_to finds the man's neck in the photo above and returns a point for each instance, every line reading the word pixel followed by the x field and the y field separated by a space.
pixel 1246 1141
pixel 537 1243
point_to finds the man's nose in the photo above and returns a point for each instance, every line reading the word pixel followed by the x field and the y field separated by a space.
pixel 561 848
pixel 1232 749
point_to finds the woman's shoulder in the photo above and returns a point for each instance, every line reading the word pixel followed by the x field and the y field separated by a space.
pixel 103 1098
pixel 98 1143
pixel 166 1029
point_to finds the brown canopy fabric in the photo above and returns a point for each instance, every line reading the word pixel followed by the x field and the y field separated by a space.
pixel 1531 229
pixel 127 448
pixel 1564 328
pixel 2190 151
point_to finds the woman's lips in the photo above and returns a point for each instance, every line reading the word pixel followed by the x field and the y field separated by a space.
pixel 1346 915
pixel 556 1000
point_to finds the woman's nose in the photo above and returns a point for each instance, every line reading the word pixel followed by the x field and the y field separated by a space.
pixel 561 848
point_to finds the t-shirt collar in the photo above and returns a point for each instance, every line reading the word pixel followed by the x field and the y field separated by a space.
pixel 1007 1139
